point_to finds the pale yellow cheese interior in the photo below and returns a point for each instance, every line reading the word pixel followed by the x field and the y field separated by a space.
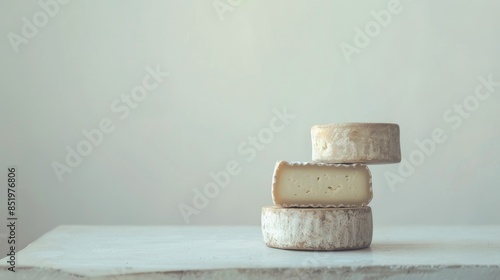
pixel 321 185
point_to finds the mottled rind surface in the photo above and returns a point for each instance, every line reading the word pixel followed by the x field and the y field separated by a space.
pixel 317 228
pixel 356 143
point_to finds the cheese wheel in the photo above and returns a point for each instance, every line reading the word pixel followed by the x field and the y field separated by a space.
pixel 317 228
pixel 308 184
pixel 356 143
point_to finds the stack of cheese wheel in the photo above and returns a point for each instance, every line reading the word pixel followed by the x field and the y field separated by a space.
pixel 323 204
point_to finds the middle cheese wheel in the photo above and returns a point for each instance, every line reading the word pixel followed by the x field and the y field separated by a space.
pixel 316 184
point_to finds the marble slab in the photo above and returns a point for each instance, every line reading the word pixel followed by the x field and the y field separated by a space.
pixel 238 252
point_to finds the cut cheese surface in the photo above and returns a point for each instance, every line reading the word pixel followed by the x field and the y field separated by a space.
pixel 321 185
pixel 356 143
pixel 317 228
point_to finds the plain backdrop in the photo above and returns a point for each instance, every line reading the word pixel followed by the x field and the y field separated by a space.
pixel 232 65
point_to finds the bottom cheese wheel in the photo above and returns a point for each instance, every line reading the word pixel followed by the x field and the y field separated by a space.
pixel 317 228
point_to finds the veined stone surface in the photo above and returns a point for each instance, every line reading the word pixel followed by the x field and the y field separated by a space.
pixel 238 252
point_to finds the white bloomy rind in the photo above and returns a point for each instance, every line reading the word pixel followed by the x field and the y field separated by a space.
pixel 317 228
pixel 356 143
pixel 315 184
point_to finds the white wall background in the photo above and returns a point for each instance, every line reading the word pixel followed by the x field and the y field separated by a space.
pixel 227 74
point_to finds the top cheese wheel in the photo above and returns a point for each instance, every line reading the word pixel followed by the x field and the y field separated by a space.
pixel 356 143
